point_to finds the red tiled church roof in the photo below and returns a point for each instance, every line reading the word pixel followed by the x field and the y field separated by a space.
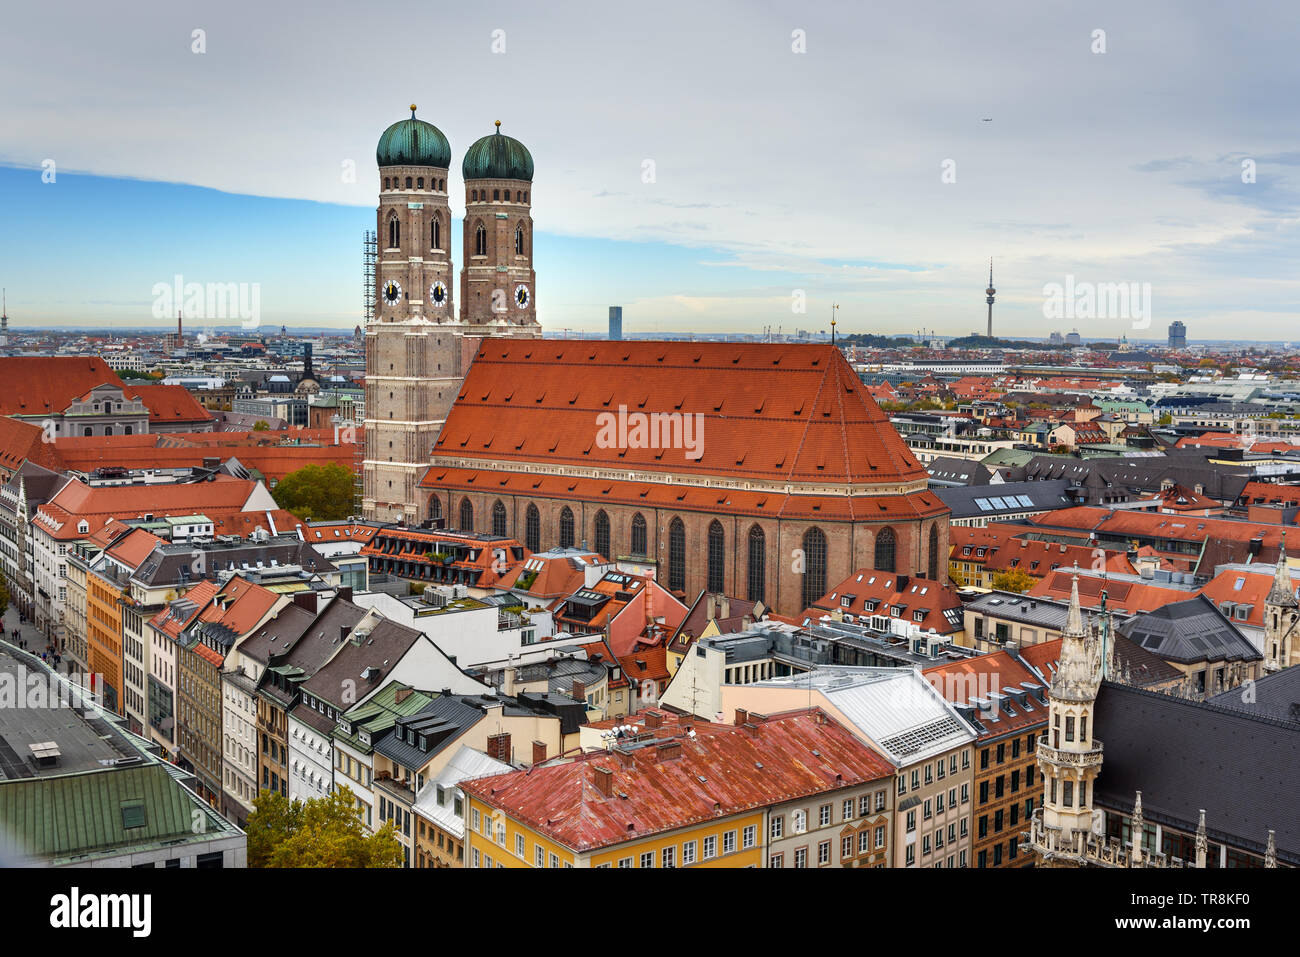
pixel 36 385
pixel 771 412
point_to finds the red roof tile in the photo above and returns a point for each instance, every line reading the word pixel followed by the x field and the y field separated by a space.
pixel 723 770
pixel 794 413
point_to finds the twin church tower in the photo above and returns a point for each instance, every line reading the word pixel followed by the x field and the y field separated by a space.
pixel 421 340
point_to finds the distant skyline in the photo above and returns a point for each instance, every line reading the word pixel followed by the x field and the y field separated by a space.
pixel 779 176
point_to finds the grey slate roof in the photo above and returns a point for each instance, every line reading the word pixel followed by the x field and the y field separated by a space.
pixel 1190 630
pixel 1274 696
pixel 376 655
pixel 442 721
pixel 170 563
pixel 1184 756
pixel 1009 498
pixel 954 471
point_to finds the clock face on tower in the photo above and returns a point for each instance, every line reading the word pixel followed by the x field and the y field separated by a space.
pixel 438 295
pixel 392 291
pixel 521 296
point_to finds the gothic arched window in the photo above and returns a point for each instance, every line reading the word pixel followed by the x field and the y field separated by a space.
pixel 466 516
pixel 435 507
pixel 435 233
pixel 519 240
pixel 814 565
pixel 533 529
pixel 602 533
pixel 717 558
pixel 757 564
pixel 638 536
pixel 480 240
pixel 676 555
pixel 498 519
pixel 934 552
pixel 394 232
pixel 566 527
pixel 885 549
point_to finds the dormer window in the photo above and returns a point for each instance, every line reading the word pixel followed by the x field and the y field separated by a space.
pixel 83 527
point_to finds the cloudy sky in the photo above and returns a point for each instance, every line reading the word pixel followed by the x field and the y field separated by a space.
pixel 860 171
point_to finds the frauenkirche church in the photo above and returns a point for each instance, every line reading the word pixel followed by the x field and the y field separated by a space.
pixel 761 470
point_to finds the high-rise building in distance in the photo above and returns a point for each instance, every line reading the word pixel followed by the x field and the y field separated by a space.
pixel 1177 335
pixel 616 322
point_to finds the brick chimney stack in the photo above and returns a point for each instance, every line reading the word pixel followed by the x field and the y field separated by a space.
pixel 668 751
pixel 498 746
pixel 539 752
pixel 603 778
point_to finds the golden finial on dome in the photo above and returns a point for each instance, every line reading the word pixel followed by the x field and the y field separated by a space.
pixel 498 126
pixel 412 111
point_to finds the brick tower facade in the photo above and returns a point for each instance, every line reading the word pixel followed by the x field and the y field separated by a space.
pixel 414 344
pixel 497 282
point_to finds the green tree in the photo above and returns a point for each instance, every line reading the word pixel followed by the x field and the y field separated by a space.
pixel 321 832
pixel 261 426
pixel 1014 579
pixel 4 596
pixel 319 492
pixel 955 576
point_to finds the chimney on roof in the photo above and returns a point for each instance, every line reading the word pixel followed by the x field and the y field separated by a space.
pixel 539 752
pixel 306 599
pixel 625 757
pixel 401 695
pixel 724 607
pixel 742 716
pixel 578 691
pixel 498 746
pixel 603 778
pixel 751 729
pixel 654 719
pixel 345 592
pixel 668 751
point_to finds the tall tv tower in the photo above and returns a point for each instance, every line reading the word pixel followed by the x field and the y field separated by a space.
pixel 989 294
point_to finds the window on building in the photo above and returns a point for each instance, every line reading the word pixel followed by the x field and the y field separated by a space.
pixel 638 542
pixel 757 564
pixel 885 549
pixel 532 529
pixel 480 240
pixel 814 556
pixel 566 527
pixel 676 555
pixel 602 534
pixel 717 558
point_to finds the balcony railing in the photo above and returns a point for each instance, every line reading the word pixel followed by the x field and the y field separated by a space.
pixel 1081 759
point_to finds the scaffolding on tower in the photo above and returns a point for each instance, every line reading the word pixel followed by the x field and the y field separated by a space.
pixel 369 254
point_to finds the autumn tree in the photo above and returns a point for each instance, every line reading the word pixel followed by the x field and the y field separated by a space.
pixel 320 832
pixel 955 576
pixel 1014 579
pixel 261 426
pixel 317 492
